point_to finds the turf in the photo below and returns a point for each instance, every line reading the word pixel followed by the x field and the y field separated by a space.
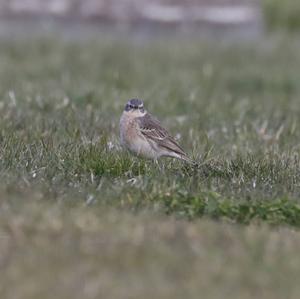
pixel 233 108
pixel 282 16
pixel 75 203
pixel 49 252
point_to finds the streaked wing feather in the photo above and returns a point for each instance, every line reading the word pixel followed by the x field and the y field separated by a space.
pixel 152 129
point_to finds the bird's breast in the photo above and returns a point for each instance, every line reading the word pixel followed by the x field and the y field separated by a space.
pixel 133 139
pixel 128 129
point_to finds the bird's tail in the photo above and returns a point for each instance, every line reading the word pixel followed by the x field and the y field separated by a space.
pixel 186 159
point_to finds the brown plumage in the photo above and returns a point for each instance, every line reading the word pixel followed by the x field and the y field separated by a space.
pixel 143 135
pixel 152 130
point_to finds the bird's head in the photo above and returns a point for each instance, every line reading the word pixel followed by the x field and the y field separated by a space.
pixel 135 106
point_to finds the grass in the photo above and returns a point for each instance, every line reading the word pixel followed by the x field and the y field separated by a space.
pixel 105 223
pixel 92 253
pixel 282 15
pixel 235 111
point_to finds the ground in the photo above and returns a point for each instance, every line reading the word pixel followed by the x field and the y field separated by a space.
pixel 82 218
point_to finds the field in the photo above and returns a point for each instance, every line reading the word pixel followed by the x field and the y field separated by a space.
pixel 82 218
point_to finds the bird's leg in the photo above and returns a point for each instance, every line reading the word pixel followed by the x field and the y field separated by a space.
pixel 157 164
pixel 160 165
pixel 133 165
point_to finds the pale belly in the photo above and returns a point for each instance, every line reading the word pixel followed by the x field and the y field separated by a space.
pixel 135 142
pixel 141 147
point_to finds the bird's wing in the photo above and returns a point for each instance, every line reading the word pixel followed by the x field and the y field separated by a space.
pixel 152 129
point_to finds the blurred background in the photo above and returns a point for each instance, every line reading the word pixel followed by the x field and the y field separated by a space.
pixel 81 218
pixel 246 19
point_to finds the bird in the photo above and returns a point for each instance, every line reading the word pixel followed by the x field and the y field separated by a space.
pixel 143 135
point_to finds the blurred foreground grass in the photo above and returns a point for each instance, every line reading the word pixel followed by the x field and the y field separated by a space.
pixel 82 218
pixel 50 251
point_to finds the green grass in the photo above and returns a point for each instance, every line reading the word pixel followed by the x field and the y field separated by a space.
pixel 50 251
pixel 82 218
pixel 236 110
pixel 282 15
